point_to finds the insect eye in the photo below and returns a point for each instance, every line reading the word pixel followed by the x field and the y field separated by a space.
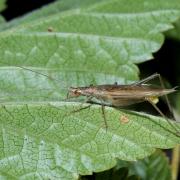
pixel 76 93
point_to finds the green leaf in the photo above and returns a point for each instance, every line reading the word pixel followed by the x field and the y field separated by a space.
pixel 97 44
pixel 2 7
pixel 104 45
pixel 48 10
pixel 2 20
pixel 50 141
pixel 155 166
pixel 152 167
pixel 2 4
pixel 174 33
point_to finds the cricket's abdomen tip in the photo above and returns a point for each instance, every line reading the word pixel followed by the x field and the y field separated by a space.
pixel 176 88
pixel 169 91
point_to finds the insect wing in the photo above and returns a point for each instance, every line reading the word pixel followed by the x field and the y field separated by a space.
pixel 133 92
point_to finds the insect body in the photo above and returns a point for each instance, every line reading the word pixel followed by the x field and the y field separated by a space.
pixel 120 95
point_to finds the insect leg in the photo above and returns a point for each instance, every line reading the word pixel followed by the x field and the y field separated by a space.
pixel 67 96
pixel 86 107
pixel 42 74
pixel 104 116
pixel 82 108
pixel 153 76
pixel 162 114
pixel 166 97
pixel 70 113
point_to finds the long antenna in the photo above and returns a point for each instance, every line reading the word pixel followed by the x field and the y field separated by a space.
pixel 45 75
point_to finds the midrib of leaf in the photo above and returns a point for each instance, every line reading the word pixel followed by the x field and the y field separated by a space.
pixel 124 6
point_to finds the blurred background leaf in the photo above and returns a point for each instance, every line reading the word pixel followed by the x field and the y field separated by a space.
pixel 2 4
pixel 154 167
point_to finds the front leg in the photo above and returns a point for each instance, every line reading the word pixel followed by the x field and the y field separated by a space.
pixel 104 116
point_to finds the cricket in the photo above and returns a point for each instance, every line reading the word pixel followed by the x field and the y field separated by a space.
pixel 119 96
pixel 124 95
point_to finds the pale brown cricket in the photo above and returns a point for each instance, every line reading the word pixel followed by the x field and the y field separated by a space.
pixel 123 95
pixel 120 95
